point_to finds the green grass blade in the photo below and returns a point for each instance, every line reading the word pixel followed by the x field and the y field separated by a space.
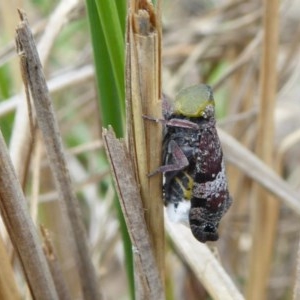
pixel 107 26
pixel 112 106
pixel 122 11
pixel 114 39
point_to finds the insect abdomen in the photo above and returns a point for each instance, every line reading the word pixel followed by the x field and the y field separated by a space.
pixel 210 202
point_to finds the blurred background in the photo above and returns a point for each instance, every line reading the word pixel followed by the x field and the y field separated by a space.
pixel 216 42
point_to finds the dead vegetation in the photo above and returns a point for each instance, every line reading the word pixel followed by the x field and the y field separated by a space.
pixel 249 52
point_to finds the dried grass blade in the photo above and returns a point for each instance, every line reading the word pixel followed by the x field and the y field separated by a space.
pixel 201 260
pixel 56 84
pixel 252 166
pixel 131 203
pixel 296 294
pixel 265 209
pixel 54 266
pixel 8 287
pixel 143 91
pixel 20 147
pixel 22 231
pixel 48 125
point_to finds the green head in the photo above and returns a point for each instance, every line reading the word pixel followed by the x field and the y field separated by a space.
pixel 195 101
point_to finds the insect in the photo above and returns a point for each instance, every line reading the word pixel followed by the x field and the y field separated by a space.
pixel 195 186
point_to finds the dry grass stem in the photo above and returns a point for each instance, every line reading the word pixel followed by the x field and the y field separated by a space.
pixel 265 210
pixel 204 264
pixel 8 286
pixel 241 157
pixel 92 146
pixel 36 177
pixel 56 22
pixel 55 85
pixel 133 211
pixel 54 266
pixel 229 45
pixel 92 179
pixel 196 54
pixel 20 149
pixel 287 143
pixel 143 92
pixel 22 231
pixel 243 58
pixel 48 125
pixel 296 294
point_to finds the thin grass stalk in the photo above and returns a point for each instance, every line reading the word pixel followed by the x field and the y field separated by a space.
pixel 32 70
pixel 54 266
pixel 22 232
pixel 20 147
pixel 36 177
pixel 143 86
pixel 287 143
pixel 265 209
pixel 260 172
pixel 9 20
pixel 8 286
pixel 146 271
pixel 240 61
pixel 208 270
pixel 56 84
pixel 296 292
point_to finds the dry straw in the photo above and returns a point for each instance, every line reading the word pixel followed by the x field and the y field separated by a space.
pixel 143 94
pixel 34 81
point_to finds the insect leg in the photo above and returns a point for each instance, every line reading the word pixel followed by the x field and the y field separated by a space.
pixel 182 123
pixel 163 121
pixel 174 122
pixel 180 160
